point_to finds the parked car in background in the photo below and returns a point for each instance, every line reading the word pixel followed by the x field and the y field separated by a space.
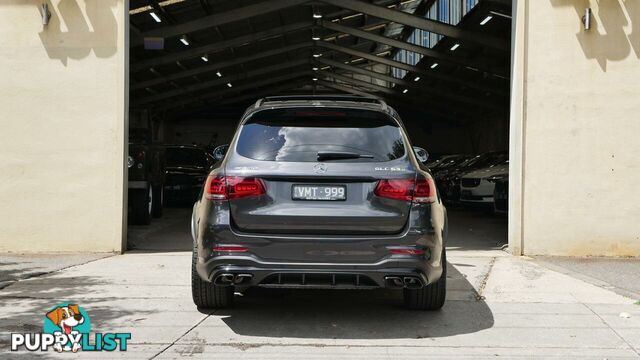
pixel 434 162
pixel 186 170
pixel 146 167
pixel 448 180
pixel 448 161
pixel 435 158
pixel 477 187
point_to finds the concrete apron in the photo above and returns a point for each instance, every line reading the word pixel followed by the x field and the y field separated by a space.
pixel 497 305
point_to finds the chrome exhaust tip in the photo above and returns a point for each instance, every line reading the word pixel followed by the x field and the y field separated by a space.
pixel 242 278
pixel 224 279
pixel 412 282
pixel 394 282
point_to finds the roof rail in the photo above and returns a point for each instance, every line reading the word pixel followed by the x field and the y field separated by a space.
pixel 325 98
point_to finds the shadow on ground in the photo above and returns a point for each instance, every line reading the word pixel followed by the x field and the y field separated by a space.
pixel 351 314
pixel 16 266
pixel 12 271
pixel 25 304
pixel 170 233
pixel 471 229
pixel 346 314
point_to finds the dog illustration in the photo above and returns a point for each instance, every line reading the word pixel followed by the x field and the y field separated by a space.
pixel 66 317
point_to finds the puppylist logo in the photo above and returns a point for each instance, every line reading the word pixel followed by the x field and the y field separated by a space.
pixel 67 328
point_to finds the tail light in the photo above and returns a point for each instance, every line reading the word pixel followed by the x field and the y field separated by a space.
pixel 140 156
pixel 398 189
pixel 215 188
pixel 425 191
pixel 220 187
pixel 420 191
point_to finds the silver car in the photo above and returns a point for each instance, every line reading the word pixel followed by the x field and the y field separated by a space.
pixel 477 187
pixel 319 192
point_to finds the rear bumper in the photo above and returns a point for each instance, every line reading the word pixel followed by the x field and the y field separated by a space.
pixel 482 193
pixel 319 275
pixel 479 195
pixel 356 257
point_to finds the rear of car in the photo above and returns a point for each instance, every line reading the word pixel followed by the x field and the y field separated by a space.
pixel 319 194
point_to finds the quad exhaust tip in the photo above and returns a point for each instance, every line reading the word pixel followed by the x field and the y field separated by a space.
pixel 242 278
pixel 232 279
pixel 394 281
pixel 409 282
pixel 412 282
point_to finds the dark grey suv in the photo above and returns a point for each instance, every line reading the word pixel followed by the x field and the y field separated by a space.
pixel 319 192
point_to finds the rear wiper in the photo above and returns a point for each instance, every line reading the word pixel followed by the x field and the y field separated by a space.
pixel 333 155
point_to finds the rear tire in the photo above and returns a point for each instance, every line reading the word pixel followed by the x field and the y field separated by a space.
pixel 205 294
pixel 158 204
pixel 142 202
pixel 430 297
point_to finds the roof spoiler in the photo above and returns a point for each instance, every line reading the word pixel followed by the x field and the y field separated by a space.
pixel 350 98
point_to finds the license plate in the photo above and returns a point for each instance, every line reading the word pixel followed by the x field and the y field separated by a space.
pixel 319 192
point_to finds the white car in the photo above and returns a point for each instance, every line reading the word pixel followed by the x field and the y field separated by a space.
pixel 477 186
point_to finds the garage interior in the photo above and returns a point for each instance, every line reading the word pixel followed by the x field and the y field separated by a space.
pixel 444 65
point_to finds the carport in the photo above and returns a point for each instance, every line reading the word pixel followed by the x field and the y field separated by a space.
pixel 464 77
pixel 448 60
pixel 444 65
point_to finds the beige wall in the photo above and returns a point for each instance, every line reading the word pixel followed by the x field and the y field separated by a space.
pixel 575 127
pixel 62 121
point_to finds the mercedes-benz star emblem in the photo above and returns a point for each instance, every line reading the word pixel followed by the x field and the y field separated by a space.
pixel 320 168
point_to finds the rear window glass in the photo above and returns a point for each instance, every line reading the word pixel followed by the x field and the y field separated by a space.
pixel 298 134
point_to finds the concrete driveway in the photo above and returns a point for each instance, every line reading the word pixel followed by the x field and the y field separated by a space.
pixel 497 305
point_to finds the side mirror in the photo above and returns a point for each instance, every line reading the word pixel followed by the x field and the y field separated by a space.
pixel 219 152
pixel 421 154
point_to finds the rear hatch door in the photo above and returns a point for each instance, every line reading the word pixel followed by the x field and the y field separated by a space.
pixel 328 194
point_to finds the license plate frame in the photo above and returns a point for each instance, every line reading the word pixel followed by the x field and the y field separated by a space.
pixel 315 194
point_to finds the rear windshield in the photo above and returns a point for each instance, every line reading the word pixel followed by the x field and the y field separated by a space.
pixel 298 134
